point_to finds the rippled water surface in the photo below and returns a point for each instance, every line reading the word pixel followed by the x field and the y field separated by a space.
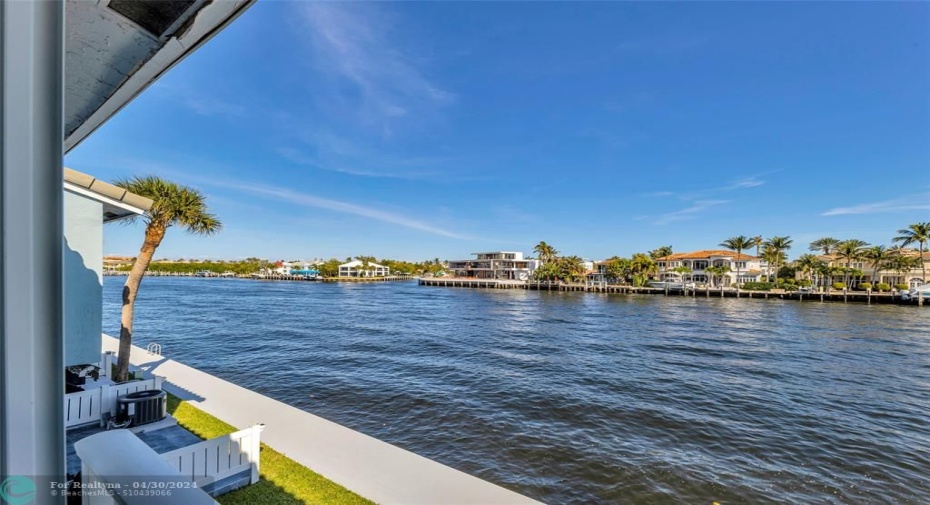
pixel 581 398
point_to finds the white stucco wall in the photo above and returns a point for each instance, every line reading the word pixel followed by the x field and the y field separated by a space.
pixel 83 283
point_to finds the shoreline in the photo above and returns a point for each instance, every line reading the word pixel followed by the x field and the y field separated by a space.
pixel 829 297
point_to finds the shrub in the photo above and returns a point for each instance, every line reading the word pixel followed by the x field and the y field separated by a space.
pixel 839 285
pixel 902 287
pixel 758 286
pixel 865 285
pixel 883 286
pixel 804 282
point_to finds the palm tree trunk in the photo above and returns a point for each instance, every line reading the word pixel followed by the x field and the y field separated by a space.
pixel 152 240
pixel 923 267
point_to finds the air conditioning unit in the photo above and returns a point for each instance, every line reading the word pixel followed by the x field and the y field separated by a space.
pixel 142 407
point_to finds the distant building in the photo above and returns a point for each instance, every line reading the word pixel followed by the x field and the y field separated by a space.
pixel 495 265
pixel 358 268
pixel 886 275
pixel 751 268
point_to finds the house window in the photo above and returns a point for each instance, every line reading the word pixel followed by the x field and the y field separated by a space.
pixel 699 265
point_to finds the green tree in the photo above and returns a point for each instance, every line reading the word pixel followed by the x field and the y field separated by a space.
pixel 717 272
pixel 641 266
pixel 918 233
pixel 827 245
pixel 570 268
pixel 808 264
pixel 850 250
pixel 545 252
pixel 682 271
pixel 738 244
pixel 779 247
pixel 662 253
pixel 173 205
pixel 619 268
pixel 878 256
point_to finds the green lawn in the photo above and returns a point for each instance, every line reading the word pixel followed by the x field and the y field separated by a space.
pixel 283 481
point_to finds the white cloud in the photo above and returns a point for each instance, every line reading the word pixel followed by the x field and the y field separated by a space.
pixel 691 212
pixel 909 203
pixel 308 200
pixel 356 43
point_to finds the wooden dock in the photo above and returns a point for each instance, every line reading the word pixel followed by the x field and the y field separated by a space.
pixel 833 296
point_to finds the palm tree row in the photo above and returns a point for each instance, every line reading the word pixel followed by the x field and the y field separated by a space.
pixel 642 266
pixel 879 257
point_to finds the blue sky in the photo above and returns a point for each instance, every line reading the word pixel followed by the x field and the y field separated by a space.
pixel 420 130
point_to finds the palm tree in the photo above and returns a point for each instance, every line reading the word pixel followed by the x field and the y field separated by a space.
pixel 545 252
pixel 738 244
pixel 662 253
pixel 916 233
pixel 641 266
pixel 808 264
pixel 850 250
pixel 827 245
pixel 757 241
pixel 877 255
pixel 715 272
pixel 778 245
pixel 174 205
pixel 571 268
pixel 681 270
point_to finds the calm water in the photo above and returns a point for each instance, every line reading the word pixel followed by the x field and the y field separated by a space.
pixel 581 398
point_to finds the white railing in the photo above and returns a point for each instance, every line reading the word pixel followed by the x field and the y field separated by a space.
pixel 92 406
pixel 221 457
pixel 118 461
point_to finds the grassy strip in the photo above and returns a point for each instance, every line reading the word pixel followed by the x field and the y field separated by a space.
pixel 283 480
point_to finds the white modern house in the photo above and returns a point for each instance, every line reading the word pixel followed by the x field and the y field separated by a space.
pixel 358 268
pixel 508 265
pixel 750 268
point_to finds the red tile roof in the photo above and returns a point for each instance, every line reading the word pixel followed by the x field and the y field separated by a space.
pixel 707 254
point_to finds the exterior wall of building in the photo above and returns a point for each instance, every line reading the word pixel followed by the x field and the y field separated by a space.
pixel 496 265
pixel 352 269
pixel 83 279
pixel 751 268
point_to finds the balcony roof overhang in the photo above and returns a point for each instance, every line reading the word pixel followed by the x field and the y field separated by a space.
pixel 117 202
pixel 115 49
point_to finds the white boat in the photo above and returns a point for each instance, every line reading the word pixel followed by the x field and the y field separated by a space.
pixel 923 291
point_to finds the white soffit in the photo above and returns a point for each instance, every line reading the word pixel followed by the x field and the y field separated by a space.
pixel 114 49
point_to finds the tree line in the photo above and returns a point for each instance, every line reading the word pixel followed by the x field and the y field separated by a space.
pixel 640 267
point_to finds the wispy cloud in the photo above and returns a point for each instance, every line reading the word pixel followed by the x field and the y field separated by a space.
pixel 201 103
pixel 909 203
pixel 752 181
pixel 690 212
pixel 748 182
pixel 326 151
pixel 308 200
pixel 356 44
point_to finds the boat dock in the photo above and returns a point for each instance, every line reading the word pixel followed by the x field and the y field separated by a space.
pixel 703 292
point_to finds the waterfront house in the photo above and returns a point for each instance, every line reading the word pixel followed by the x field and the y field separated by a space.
pixel 885 275
pixel 358 268
pixel 88 204
pixel 509 265
pixel 751 268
